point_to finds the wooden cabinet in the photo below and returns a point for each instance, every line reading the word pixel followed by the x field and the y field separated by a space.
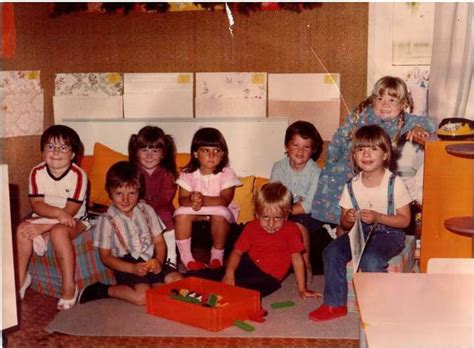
pixel 447 193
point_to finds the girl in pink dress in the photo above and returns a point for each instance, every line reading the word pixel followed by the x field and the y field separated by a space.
pixel 206 190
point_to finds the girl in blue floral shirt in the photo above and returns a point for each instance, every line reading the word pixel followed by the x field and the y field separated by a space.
pixel 384 107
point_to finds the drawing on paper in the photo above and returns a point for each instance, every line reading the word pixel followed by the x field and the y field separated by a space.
pixel 412 33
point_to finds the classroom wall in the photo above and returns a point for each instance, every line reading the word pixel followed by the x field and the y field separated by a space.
pixel 272 41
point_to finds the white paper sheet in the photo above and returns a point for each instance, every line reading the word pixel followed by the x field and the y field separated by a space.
pixel 324 115
pixel 230 107
pixel 231 94
pixel 303 87
pixel 67 107
pixel 88 84
pixel 150 95
pixel 22 113
pixel 22 100
pixel 151 83
pixel 357 242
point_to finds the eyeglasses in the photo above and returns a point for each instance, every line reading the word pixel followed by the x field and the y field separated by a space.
pixel 207 151
pixel 62 148
pixel 391 101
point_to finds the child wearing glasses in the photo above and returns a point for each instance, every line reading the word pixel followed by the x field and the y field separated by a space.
pixel 57 192
pixel 153 152
pixel 386 107
pixel 206 190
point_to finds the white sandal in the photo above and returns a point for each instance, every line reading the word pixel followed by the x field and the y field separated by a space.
pixel 26 285
pixel 68 304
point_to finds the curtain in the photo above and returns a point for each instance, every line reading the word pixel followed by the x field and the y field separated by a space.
pixel 8 30
pixel 451 78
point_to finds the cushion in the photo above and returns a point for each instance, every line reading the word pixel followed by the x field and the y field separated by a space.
pixel 104 158
pixel 259 182
pixel 244 198
pixel 181 160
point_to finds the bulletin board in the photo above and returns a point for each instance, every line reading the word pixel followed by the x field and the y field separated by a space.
pixel 332 37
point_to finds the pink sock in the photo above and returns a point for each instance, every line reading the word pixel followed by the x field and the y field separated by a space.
pixel 217 254
pixel 184 247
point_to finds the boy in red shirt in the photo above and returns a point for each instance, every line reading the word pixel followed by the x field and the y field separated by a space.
pixel 268 246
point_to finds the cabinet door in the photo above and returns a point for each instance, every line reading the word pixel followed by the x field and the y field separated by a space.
pixel 447 192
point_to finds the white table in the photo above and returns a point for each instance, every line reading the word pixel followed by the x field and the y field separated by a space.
pixel 416 309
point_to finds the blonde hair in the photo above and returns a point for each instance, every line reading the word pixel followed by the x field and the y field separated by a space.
pixel 394 87
pixel 273 194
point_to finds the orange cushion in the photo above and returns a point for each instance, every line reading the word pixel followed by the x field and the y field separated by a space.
pixel 259 182
pixel 181 160
pixel 243 196
pixel 104 158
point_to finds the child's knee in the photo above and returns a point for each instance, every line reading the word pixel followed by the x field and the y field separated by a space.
pixel 173 277
pixel 20 230
pixel 219 219
pixel 140 297
pixel 372 263
pixel 59 232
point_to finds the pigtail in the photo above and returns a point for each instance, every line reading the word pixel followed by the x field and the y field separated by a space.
pixel 358 112
pixel 169 159
pixel 132 149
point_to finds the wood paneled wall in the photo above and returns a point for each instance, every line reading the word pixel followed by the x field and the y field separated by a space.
pixel 271 41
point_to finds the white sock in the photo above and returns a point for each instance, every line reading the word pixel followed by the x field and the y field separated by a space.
pixel 217 254
pixel 40 245
pixel 184 247
pixel 170 240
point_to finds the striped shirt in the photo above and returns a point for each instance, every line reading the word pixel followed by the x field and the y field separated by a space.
pixel 71 186
pixel 137 233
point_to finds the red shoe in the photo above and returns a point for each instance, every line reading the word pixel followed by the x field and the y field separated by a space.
pixel 195 266
pixel 215 264
pixel 325 312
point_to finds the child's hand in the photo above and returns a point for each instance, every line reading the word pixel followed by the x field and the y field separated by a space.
pixel 229 279
pixel 66 219
pixel 369 216
pixel 154 266
pixel 29 230
pixel 196 200
pixel 140 269
pixel 417 134
pixel 307 293
pixel 351 216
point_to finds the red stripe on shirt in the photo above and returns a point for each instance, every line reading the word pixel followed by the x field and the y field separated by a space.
pixel 79 184
pixel 34 185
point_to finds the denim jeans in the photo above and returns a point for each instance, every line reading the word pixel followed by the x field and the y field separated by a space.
pixel 385 243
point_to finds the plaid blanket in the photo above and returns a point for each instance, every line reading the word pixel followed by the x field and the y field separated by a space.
pixel 46 274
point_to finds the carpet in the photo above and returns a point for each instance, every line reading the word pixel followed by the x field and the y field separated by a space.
pixel 111 317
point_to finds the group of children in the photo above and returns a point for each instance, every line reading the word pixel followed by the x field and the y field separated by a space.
pixel 138 235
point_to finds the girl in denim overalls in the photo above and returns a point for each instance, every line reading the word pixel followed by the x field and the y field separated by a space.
pixel 381 200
